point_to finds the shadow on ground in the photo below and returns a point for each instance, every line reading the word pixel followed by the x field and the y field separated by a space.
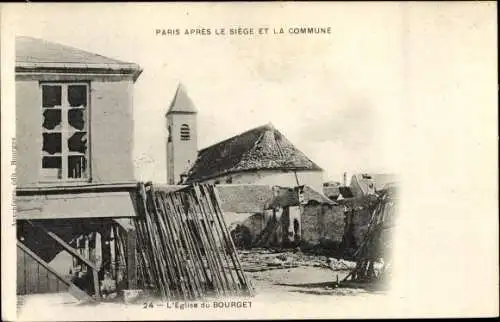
pixel 330 288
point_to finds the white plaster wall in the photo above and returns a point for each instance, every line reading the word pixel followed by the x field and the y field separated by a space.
pixel 314 179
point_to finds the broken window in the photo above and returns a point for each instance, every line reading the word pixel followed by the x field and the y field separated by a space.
pixel 52 143
pixel 76 118
pixel 52 167
pixel 78 142
pixel 51 95
pixel 185 135
pixel 51 118
pixel 64 131
pixel 77 95
pixel 77 165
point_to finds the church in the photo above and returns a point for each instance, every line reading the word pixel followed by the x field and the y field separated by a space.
pixel 259 156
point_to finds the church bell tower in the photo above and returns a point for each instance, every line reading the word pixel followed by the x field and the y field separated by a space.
pixel 182 146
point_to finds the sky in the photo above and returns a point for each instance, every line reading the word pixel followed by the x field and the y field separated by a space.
pixel 336 97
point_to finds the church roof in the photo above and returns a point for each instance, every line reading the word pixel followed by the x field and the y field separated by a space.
pixel 34 53
pixel 181 103
pixel 261 148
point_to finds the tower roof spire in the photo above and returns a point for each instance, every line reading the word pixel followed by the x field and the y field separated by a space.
pixel 181 103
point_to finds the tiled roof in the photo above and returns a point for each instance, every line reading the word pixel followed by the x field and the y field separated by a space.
pixel 181 103
pixel 262 148
pixel 39 53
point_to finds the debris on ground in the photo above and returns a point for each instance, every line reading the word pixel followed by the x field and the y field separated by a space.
pixel 267 259
pixel 373 262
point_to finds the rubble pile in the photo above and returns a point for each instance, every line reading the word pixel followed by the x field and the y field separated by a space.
pixel 266 259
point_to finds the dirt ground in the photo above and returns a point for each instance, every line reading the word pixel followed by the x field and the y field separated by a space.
pixel 283 272
pixel 287 277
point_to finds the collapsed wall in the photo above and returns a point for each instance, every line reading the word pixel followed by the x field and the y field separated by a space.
pixel 322 226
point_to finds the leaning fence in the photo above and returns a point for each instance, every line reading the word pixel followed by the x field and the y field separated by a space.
pixel 185 250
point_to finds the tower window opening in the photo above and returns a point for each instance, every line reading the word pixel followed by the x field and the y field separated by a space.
pixel 185 132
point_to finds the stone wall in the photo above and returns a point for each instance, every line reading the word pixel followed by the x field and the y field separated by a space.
pixel 322 225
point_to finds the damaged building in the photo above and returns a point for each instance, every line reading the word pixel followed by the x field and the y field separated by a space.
pixel 259 156
pixel 263 174
pixel 75 180
pixel 84 224
pixel 363 186
pixel 261 164
pixel 281 217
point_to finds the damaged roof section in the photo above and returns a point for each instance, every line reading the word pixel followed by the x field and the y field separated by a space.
pixel 262 148
pixel 33 54
pixel 284 196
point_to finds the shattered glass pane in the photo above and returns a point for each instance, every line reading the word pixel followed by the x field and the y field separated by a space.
pixel 51 162
pixel 51 118
pixel 52 143
pixel 78 142
pixel 76 118
pixel 51 167
pixel 51 95
pixel 77 95
pixel 76 166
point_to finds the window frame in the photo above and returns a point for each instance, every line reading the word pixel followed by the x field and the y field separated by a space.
pixel 65 133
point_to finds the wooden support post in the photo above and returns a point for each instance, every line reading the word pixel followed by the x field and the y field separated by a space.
pixel 112 254
pixel 131 259
pixel 96 284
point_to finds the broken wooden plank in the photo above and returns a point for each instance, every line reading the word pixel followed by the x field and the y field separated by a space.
pixel 61 242
pixel 72 288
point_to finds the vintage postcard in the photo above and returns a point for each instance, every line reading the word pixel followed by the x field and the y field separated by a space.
pixel 249 160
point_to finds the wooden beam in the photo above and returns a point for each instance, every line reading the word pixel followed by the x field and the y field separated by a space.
pixel 76 188
pixel 73 289
pixel 96 283
pixel 61 242
pixel 131 259
pixel 73 205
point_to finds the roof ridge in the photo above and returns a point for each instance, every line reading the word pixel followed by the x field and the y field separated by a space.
pixel 242 153
pixel 233 137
